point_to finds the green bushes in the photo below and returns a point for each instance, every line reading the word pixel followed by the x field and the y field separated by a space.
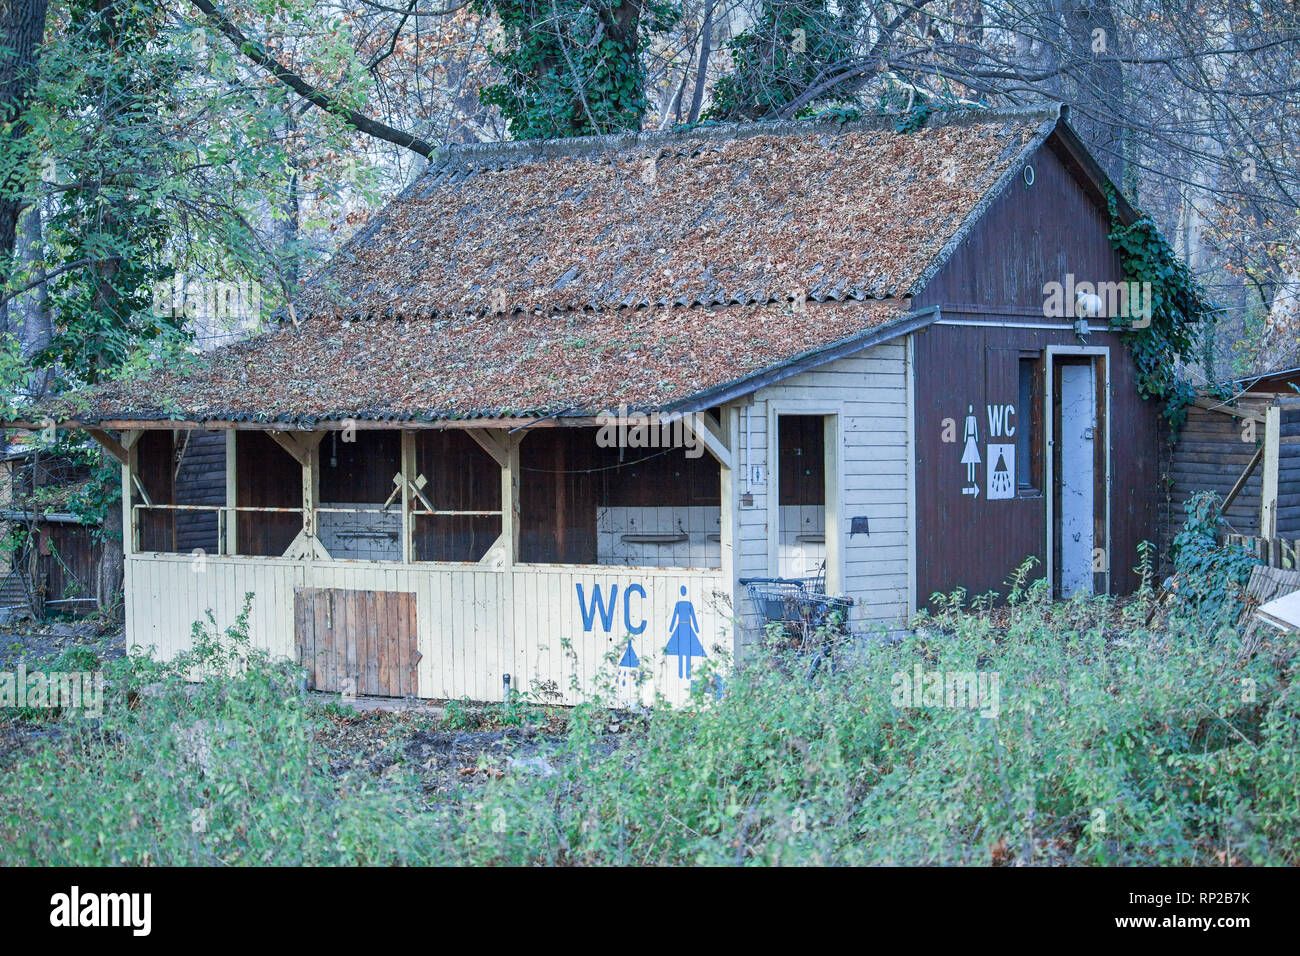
pixel 1101 753
pixel 1112 744
pixel 225 771
pixel 1210 575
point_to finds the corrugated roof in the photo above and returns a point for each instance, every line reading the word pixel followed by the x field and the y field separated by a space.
pixel 519 279
pixel 479 366
pixel 745 214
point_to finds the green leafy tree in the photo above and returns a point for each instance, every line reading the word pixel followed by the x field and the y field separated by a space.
pixel 121 80
pixel 573 68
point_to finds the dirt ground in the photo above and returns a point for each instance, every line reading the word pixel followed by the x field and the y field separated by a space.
pixel 444 761
pixel 376 737
pixel 32 643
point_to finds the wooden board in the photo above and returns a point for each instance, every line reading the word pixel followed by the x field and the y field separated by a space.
pixel 357 642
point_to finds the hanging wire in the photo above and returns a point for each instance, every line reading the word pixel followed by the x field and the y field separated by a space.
pixel 592 471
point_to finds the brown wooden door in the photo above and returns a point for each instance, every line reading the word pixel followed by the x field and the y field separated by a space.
pixel 361 642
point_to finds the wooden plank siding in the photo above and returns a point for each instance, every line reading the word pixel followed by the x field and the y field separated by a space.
pixel 1212 450
pixel 69 563
pixel 868 393
pixel 971 542
pixel 472 625
pixel 358 642
pixel 200 479
pixel 1030 235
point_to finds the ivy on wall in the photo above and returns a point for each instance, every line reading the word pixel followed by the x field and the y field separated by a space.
pixel 1182 316
pixel 573 67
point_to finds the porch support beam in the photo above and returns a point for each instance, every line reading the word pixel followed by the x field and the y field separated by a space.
pixel 408 499
pixel 711 436
pixel 729 522
pixel 109 444
pixel 305 447
pixel 510 473
pixel 494 443
pixel 129 543
pixel 295 446
pixel 232 494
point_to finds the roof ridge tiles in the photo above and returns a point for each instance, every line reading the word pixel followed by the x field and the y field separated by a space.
pixel 513 152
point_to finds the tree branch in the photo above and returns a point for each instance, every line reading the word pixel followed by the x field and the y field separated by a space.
pixel 262 57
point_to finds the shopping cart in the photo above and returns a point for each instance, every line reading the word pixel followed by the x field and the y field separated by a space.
pixel 800 621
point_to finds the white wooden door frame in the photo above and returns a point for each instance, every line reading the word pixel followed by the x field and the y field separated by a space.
pixel 833 412
pixel 1049 448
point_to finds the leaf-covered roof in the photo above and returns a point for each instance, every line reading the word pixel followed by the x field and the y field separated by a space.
pixel 523 278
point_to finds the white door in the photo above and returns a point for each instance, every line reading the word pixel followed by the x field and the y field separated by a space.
pixel 1077 437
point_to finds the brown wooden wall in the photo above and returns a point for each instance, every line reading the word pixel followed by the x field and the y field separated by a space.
pixel 973 542
pixel 360 470
pixel 567 476
pixel 558 494
pixel 154 461
pixel 69 563
pixel 266 476
pixel 460 476
pixel 1030 235
pixel 1210 452
pixel 200 479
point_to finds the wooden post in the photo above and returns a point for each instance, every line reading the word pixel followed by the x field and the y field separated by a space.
pixel 311 484
pixel 232 494
pixel 1268 493
pixel 834 558
pixel 130 530
pixel 729 527
pixel 408 476
pixel 305 449
pixel 129 546
pixel 510 472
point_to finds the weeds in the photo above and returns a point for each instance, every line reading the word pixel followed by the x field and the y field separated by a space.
pixel 1113 743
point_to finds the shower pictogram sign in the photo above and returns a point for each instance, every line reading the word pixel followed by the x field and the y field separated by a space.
pixel 1001 457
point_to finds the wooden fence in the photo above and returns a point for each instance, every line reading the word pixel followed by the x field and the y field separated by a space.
pixel 1274 552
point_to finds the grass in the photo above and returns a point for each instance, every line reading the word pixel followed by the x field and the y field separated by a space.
pixel 1114 742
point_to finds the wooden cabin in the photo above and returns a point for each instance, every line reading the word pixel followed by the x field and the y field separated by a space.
pixel 1241 442
pixel 841 330
pixel 49 557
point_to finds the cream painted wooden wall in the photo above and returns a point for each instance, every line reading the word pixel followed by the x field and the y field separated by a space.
pixel 474 625
pixel 869 392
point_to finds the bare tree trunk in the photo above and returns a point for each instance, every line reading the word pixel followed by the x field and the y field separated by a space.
pixel 30 310
pixel 22 28
pixel 702 68
pixel 108 586
pixel 1096 88
pixel 289 224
